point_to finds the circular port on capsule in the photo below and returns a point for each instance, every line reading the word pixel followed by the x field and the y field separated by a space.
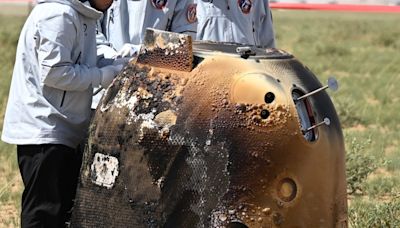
pixel 269 97
pixel 264 114
pixel 236 225
pixel 287 190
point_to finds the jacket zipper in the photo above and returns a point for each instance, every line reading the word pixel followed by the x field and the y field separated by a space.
pixel 110 20
pixel 169 25
pixel 62 100
pixel 65 92
pixel 254 33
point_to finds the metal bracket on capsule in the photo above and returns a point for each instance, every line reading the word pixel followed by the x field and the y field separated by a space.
pixel 326 121
pixel 245 52
pixel 332 84
pixel 305 115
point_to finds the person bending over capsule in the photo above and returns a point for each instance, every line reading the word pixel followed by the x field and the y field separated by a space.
pixel 48 107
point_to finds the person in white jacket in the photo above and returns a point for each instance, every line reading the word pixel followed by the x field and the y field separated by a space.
pixel 122 29
pixel 48 107
pixel 236 21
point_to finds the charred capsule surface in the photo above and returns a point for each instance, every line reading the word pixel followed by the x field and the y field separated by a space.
pixel 222 145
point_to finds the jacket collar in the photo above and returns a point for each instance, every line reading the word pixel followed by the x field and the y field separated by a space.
pixel 82 8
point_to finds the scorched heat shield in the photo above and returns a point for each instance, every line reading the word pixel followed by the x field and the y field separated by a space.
pixel 227 139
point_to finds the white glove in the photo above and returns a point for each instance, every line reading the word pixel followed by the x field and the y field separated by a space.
pixel 108 73
pixel 128 50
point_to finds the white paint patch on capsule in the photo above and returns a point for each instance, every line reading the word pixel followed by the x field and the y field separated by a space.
pixel 121 101
pixel 147 122
pixel 104 170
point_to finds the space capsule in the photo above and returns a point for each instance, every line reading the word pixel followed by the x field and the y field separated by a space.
pixel 213 135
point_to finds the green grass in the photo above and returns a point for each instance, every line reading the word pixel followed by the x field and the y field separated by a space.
pixel 10 181
pixel 373 213
pixel 361 50
pixel 382 186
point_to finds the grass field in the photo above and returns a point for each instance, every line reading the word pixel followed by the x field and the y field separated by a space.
pixel 10 181
pixel 360 50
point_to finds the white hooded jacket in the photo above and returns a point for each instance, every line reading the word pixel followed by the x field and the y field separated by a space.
pixel 237 21
pixel 127 20
pixel 54 73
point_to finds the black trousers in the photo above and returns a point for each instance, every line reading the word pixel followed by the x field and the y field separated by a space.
pixel 50 176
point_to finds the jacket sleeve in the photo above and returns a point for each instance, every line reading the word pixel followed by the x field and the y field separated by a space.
pixel 105 50
pixel 57 39
pixel 180 21
pixel 267 35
